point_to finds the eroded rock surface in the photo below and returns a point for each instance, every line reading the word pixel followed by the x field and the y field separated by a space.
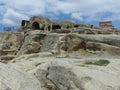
pixel 63 75
pixel 49 55
pixel 13 79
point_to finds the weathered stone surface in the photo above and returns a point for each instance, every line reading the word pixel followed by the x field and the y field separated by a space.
pixel 32 43
pixel 66 76
pixel 49 55
pixel 13 79
pixel 40 34
pixel 72 43
pixel 36 42
pixel 70 73
pixel 9 44
pixel 103 48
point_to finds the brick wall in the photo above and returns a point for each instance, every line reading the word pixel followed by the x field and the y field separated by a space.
pixel 106 24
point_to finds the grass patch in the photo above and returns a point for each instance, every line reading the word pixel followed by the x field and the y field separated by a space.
pixel 100 62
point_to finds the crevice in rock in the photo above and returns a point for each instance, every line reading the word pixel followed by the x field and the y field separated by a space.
pixel 53 86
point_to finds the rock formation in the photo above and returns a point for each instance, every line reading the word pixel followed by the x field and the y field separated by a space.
pixel 48 55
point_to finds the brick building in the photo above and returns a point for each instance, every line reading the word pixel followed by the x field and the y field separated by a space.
pixel 106 24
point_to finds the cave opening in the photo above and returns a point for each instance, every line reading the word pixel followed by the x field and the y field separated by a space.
pixel 35 25
pixel 76 26
pixel 23 23
pixel 56 27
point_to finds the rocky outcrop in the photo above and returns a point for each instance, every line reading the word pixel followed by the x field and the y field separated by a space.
pixel 40 34
pixel 49 55
pixel 61 75
pixel 99 45
pixel 16 44
pixel 36 42
pixel 32 44
pixel 9 45
pixel 70 73
pixel 103 48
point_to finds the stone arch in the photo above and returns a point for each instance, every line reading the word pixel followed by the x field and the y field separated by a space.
pixel 35 25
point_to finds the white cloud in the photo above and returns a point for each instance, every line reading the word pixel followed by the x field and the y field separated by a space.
pixel 77 16
pixel 12 18
pixel 13 11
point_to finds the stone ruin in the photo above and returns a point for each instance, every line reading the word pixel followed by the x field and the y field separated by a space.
pixel 46 25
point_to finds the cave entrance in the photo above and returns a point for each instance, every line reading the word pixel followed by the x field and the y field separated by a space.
pixel 35 25
pixel 76 26
pixel 49 28
pixel 23 23
pixel 53 27
pixel 56 27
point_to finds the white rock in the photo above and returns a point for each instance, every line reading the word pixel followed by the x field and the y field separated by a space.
pixel 17 80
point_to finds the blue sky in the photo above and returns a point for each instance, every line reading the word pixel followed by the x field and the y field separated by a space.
pixel 82 11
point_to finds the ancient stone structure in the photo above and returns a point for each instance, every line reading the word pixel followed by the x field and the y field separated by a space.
pixel 44 24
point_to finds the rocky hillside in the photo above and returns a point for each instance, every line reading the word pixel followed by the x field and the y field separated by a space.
pixel 75 57
pixel 15 44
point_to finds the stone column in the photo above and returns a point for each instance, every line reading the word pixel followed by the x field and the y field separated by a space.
pixel 50 27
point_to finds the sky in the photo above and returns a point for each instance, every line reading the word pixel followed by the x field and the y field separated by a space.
pixel 81 11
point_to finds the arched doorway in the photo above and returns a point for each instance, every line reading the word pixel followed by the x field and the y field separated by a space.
pixel 35 25
pixel 53 27
pixel 56 27
pixel 23 23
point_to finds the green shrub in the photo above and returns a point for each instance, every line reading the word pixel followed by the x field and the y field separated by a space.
pixel 100 62
pixel 88 62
